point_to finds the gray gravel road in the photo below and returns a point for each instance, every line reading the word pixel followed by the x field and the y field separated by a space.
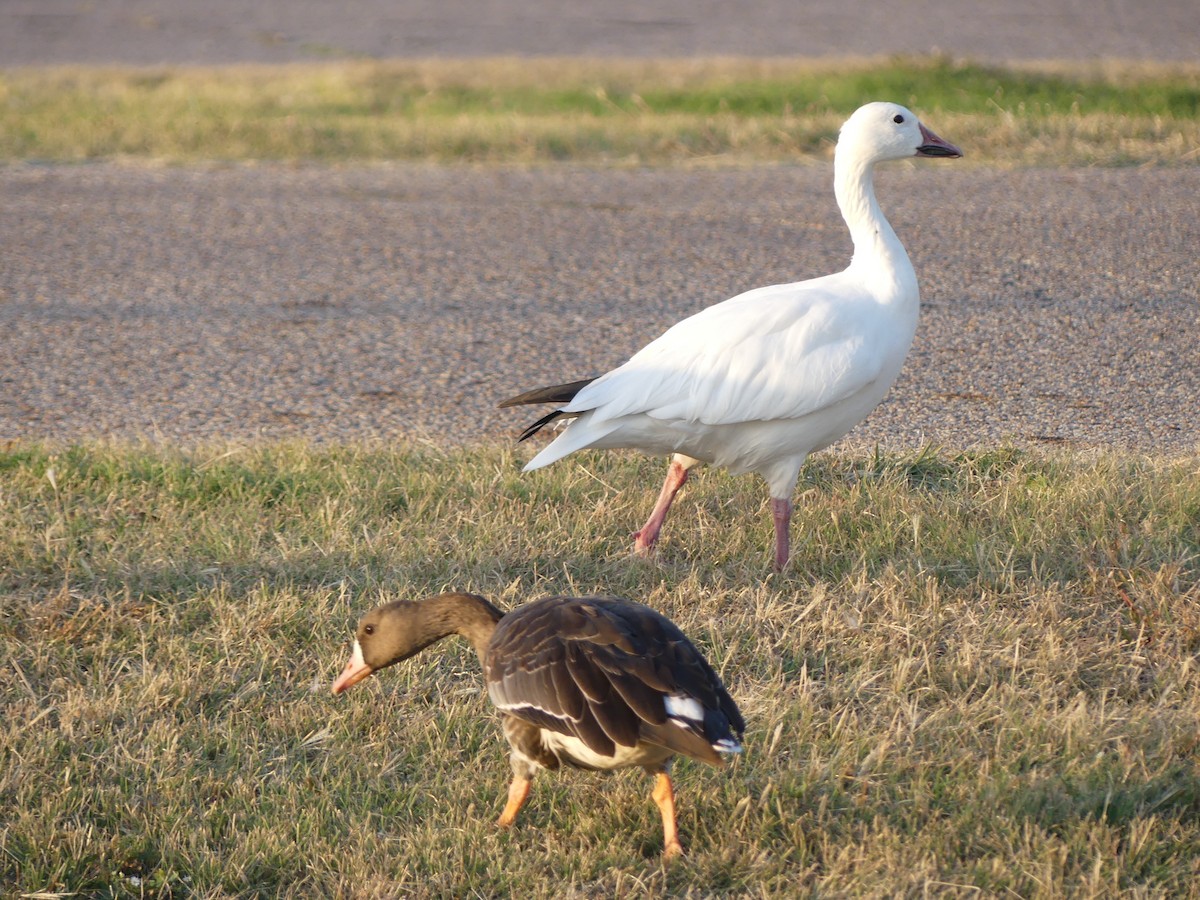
pixel 382 302
pixel 404 301
pixel 34 32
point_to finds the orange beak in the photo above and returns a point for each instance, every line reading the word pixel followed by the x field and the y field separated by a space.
pixel 356 670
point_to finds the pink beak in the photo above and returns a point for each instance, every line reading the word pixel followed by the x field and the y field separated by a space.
pixel 356 670
pixel 935 146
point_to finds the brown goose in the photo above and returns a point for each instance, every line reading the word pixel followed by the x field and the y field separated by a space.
pixel 588 682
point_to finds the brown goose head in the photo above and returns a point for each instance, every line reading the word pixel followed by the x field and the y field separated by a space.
pixel 395 631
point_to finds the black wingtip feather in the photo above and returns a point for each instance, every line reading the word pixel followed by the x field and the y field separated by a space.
pixel 555 393
pixel 540 424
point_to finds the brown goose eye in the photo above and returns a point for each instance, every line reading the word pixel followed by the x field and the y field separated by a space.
pixel 899 119
pixel 368 629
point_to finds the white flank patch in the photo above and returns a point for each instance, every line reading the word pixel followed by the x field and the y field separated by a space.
pixel 725 745
pixel 641 755
pixel 681 706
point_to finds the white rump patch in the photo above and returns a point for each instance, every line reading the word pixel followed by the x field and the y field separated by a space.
pixel 726 745
pixel 681 706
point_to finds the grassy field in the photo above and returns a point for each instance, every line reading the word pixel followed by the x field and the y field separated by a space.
pixel 979 677
pixel 609 112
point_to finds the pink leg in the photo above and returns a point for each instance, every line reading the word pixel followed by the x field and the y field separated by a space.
pixel 781 512
pixel 644 540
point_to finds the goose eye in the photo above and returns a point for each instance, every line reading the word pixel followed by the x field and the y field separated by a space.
pixel 368 629
pixel 899 119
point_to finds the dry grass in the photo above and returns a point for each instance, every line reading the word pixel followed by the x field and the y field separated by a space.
pixel 728 111
pixel 980 677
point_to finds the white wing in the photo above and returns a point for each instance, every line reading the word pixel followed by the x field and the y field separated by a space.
pixel 779 352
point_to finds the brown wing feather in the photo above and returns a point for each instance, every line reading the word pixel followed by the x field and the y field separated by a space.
pixel 683 741
pixel 590 680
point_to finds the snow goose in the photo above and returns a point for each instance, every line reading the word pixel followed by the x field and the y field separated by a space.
pixel 588 682
pixel 760 381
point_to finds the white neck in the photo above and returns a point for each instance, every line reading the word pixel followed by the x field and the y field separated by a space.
pixel 879 256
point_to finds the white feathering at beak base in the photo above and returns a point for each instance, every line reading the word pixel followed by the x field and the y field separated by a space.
pixel 356 670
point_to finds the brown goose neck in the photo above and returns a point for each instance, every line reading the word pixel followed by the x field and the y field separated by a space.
pixel 467 614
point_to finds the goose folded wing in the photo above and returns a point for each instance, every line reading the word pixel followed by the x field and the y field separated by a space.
pixel 610 672
pixel 535 672
pixel 759 357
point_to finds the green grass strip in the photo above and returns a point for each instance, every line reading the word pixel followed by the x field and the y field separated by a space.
pixel 591 111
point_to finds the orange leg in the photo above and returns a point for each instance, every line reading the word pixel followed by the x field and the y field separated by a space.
pixel 664 798
pixel 518 791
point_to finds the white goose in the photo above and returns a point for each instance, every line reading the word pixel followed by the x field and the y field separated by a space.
pixel 760 381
